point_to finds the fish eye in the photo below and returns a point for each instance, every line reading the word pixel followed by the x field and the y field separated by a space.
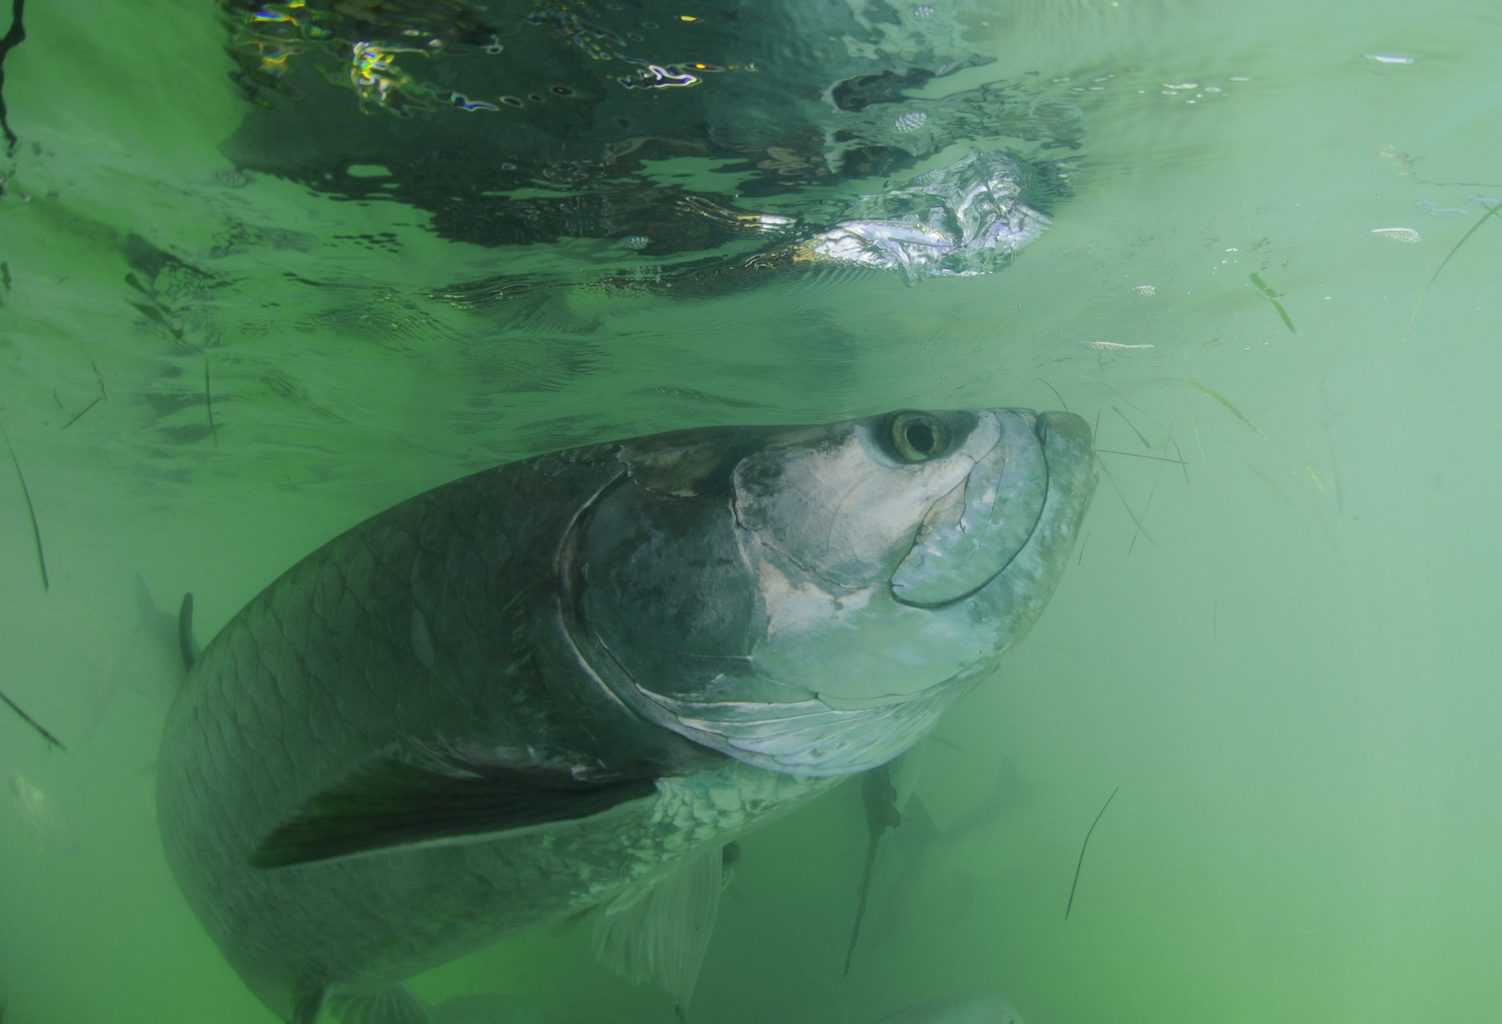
pixel 918 437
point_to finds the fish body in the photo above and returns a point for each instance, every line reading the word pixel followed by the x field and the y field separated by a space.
pixel 552 685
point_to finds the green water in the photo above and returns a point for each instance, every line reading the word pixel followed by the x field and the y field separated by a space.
pixel 1279 652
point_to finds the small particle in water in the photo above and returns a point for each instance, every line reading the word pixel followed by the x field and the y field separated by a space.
pixel 1241 78
pixel 923 11
pixel 495 46
pixel 636 243
pixel 1398 234
pixel 1389 58
pixel 1146 290
pixel 910 121
pixel 1116 346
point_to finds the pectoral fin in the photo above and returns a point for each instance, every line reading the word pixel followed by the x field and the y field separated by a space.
pixel 660 934
pixel 397 800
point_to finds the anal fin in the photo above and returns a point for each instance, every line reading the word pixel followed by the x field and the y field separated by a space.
pixel 660 934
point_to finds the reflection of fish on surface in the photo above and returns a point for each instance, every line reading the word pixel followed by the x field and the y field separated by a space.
pixel 985 1009
pixel 967 218
pixel 579 88
pixel 567 682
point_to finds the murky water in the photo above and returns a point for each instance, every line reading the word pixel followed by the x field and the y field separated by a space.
pixel 234 320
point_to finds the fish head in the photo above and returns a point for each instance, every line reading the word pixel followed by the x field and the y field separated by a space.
pixel 810 599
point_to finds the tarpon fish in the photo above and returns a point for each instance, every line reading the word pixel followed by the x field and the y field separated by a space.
pixel 567 682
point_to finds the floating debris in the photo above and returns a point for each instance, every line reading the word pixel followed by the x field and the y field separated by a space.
pixel 80 413
pixel 1144 455
pixel 36 530
pixel 208 402
pixel 1111 478
pixel 1418 303
pixel 41 730
pixel 1389 58
pixel 1062 404
pixel 1491 211
pixel 1145 510
pixel 1083 846
pixel 636 243
pixel 1116 346
pixel 1140 435
pixel 1314 477
pixel 1435 210
pixel 1271 296
pixel 14 37
pixel 1182 463
pixel 1147 291
pixel 1225 402
pixel 1398 234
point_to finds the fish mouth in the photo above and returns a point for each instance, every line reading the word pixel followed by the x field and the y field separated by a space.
pixel 1016 493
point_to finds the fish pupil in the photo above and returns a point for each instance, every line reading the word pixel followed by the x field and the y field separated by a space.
pixel 920 436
